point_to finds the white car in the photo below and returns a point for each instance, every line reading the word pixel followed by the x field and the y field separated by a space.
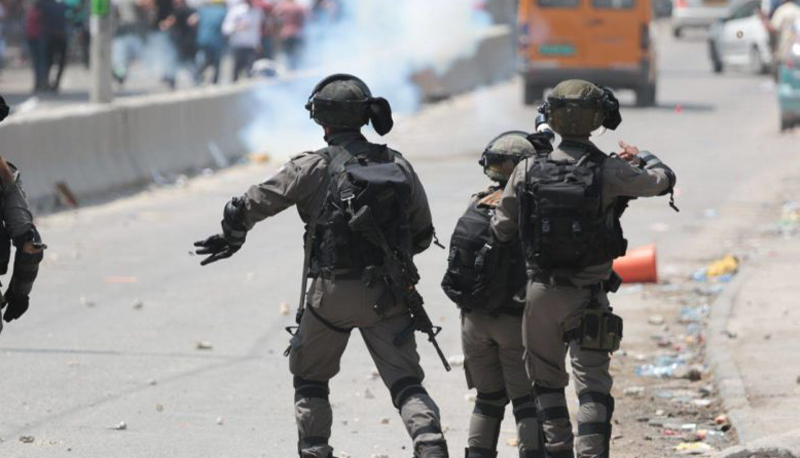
pixel 740 39
pixel 696 14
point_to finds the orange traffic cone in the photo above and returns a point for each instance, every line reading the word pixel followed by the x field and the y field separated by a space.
pixel 638 266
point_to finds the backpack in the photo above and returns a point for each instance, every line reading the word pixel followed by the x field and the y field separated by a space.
pixel 482 276
pixel 369 176
pixel 563 225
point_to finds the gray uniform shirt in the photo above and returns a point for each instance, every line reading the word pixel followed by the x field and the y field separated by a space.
pixel 620 178
pixel 298 183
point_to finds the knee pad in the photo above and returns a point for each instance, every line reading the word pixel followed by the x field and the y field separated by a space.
pixel 491 405
pixel 404 388
pixel 602 428
pixel 554 412
pixel 304 389
pixel 524 408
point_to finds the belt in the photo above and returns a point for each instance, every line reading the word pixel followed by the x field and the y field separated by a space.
pixel 342 274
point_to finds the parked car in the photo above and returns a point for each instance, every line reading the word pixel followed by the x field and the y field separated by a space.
pixel 696 14
pixel 607 42
pixel 740 39
pixel 789 84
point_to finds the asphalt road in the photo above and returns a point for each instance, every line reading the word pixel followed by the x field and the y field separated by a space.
pixel 120 306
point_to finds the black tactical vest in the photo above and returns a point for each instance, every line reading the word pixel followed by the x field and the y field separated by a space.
pixel 563 225
pixel 482 276
pixel 369 177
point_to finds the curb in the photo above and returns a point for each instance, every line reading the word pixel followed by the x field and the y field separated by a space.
pixel 731 386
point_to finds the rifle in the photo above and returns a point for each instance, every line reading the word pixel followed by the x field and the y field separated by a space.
pixel 400 277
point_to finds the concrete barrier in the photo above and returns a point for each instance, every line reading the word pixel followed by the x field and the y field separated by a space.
pixel 99 149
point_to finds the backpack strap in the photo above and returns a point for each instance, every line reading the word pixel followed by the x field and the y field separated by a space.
pixel 337 158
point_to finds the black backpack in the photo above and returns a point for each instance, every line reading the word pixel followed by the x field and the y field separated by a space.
pixel 482 276
pixel 563 225
pixel 370 177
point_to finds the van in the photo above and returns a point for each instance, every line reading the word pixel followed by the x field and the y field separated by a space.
pixel 607 42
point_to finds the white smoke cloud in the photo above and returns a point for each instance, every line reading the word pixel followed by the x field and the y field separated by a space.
pixel 383 42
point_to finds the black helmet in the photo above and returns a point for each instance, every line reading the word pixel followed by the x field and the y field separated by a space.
pixel 343 101
pixel 503 153
pixel 577 107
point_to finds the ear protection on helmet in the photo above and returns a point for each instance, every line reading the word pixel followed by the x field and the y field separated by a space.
pixel 613 118
pixel 489 155
pixel 380 115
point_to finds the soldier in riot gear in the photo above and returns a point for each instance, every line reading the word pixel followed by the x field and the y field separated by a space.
pixel 566 206
pixel 16 228
pixel 350 285
pixel 487 282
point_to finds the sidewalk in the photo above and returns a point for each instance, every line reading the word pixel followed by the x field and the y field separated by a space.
pixel 753 342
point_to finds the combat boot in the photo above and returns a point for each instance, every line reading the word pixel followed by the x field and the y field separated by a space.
pixel 431 451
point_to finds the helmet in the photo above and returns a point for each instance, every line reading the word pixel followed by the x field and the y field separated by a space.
pixel 343 101
pixel 503 154
pixel 577 108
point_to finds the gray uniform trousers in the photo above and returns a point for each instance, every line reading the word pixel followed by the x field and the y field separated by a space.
pixel 494 366
pixel 549 313
pixel 348 304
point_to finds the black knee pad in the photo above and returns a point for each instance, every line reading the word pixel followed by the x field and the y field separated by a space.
pixel 404 388
pixel 304 389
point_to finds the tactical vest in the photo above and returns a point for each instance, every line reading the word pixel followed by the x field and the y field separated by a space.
pixel 563 225
pixel 369 177
pixel 482 276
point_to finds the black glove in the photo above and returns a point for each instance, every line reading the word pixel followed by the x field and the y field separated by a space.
pixel 233 236
pixel 217 246
pixel 17 306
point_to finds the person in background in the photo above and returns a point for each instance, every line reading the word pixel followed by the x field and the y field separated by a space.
pixel 270 29
pixel 54 30
pixel 78 20
pixel 33 32
pixel 243 26
pixel 210 40
pixel 292 18
pixel 181 28
pixel 129 33
pixel 780 27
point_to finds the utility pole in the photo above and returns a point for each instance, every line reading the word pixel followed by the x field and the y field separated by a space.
pixel 101 33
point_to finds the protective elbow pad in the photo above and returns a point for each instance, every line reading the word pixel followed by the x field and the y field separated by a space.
pixel 380 115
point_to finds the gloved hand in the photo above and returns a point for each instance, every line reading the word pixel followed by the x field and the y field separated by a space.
pixel 233 236
pixel 17 306
pixel 217 246
pixel 542 141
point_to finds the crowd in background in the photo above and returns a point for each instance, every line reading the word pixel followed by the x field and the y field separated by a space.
pixel 165 36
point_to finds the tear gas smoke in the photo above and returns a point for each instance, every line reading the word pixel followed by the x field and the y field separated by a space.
pixel 382 42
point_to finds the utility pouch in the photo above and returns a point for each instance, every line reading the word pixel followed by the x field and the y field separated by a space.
pixel 601 330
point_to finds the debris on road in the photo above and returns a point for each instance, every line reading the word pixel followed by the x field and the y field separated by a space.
pixel 513 442
pixel 368 394
pixel 694 448
pixel 220 421
pixel 138 304
pixel 87 302
pixel 384 420
pixel 118 279
pixel 635 391
pixel 26 439
pixel 284 308
pixel 159 408
pixel 656 320
pixel 121 426
pixel 204 345
pixel 789 224
pixel 722 269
